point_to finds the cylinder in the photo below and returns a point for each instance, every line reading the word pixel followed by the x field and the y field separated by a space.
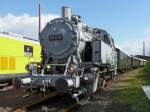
pixel 66 12
pixel 63 84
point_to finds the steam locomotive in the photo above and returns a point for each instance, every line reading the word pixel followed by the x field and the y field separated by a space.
pixel 76 59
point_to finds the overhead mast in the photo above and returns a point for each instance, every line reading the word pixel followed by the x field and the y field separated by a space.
pixel 143 48
pixel 39 21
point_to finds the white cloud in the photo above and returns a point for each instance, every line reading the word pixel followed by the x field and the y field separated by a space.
pixel 135 47
pixel 24 24
pixel 28 26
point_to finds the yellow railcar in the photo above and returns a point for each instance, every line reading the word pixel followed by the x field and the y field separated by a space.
pixel 16 52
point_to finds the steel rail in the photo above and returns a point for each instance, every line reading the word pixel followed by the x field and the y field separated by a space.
pixel 25 107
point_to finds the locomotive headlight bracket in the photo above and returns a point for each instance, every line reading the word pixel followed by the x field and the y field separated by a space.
pixel 72 68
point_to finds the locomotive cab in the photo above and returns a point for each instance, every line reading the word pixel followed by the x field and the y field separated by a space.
pixel 87 52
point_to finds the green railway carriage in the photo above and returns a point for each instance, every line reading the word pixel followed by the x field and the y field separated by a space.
pixel 123 60
pixel 137 62
pixel 141 62
pixel 16 52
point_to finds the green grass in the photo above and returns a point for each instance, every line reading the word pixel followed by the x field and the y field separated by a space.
pixel 132 94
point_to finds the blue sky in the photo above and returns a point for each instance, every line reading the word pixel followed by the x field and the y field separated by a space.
pixel 126 20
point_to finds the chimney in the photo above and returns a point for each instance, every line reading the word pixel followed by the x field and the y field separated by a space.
pixel 66 12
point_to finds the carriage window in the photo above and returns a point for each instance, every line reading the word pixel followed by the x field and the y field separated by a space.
pixel 28 50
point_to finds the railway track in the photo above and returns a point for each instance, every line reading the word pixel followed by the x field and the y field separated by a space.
pixel 72 107
pixel 108 83
pixel 69 108
pixel 24 108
